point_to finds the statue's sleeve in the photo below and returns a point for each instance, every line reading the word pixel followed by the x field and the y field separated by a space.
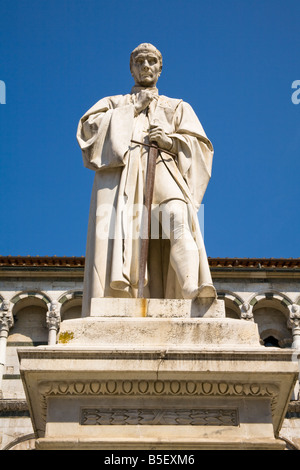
pixel 194 151
pixel 104 134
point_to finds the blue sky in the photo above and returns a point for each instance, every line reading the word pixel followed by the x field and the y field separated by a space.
pixel 234 61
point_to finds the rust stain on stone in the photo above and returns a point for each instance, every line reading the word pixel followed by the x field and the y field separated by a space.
pixel 144 304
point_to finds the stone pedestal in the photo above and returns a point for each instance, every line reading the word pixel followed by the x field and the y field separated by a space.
pixel 153 374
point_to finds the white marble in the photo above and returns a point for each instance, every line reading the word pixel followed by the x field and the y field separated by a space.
pixel 177 263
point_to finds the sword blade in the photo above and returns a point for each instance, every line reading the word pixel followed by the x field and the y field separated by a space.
pixel 146 218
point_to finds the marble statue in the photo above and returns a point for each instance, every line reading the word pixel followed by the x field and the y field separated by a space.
pixel 114 136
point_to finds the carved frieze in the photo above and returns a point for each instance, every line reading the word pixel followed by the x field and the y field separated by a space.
pixel 139 388
pixel 189 417
pixel 157 387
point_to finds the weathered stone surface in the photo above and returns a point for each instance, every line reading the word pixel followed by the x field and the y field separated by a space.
pixel 62 381
pixel 157 308
pixel 164 333
pixel 157 383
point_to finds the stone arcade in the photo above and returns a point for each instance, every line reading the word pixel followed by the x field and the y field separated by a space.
pixel 263 292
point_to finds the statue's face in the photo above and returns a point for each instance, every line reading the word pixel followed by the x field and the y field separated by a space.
pixel 145 68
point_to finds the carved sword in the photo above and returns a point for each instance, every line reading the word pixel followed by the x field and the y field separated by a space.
pixel 146 216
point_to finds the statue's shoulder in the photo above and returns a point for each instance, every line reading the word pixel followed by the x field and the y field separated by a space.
pixel 169 102
pixel 109 102
pixel 117 100
pixel 179 105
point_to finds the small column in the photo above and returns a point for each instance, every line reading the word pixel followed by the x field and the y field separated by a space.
pixel 53 322
pixel 246 311
pixel 6 322
pixel 294 324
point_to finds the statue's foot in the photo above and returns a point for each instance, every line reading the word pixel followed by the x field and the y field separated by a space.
pixel 207 291
pixel 190 292
pixel 204 291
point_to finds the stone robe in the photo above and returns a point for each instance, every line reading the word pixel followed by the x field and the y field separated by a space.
pixel 105 135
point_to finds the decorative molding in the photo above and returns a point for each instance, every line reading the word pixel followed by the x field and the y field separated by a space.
pixel 193 417
pixel 157 387
pixel 11 405
pixel 140 388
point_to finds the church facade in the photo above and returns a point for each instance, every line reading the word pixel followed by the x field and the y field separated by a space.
pixel 38 293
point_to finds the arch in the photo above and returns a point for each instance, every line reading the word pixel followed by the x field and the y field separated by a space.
pixel 26 442
pixel 29 311
pixel 269 338
pixel 71 304
pixel 270 295
pixel 70 295
pixel 289 444
pixel 271 333
pixel 232 302
pixel 271 313
pixel 38 295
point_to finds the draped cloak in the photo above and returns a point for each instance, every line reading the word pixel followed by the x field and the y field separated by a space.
pixel 105 135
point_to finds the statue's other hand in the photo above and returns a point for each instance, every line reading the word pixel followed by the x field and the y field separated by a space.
pixel 158 135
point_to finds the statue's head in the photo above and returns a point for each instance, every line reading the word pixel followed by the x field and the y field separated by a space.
pixel 54 306
pixel 145 65
pixel 5 305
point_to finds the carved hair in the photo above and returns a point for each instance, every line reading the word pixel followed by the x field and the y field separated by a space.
pixel 145 46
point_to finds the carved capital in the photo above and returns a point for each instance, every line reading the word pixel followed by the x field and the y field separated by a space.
pixel 246 311
pixel 6 317
pixel 53 316
pixel 294 316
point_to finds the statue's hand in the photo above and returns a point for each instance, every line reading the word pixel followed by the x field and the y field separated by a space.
pixel 158 135
pixel 144 98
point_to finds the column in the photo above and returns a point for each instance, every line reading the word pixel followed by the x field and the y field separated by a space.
pixel 53 322
pixel 6 322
